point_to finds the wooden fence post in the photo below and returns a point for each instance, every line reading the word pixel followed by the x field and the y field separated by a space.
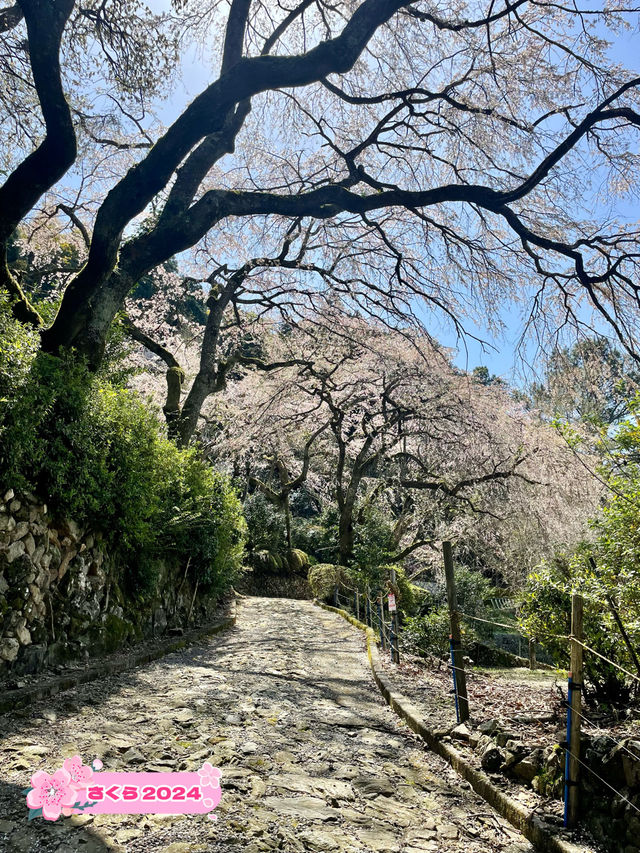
pixel 532 654
pixel 454 620
pixel 383 641
pixel 395 644
pixel 576 710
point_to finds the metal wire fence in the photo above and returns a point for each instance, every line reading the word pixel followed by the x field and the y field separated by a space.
pixel 373 611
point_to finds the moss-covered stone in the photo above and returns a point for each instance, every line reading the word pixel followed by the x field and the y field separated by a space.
pixel 324 577
pixel 116 632
pixel 78 626
pixel 265 561
pixel 38 632
pixel 298 560
pixel 57 653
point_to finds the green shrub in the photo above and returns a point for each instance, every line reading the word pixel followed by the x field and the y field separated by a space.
pixel 378 578
pixel 208 527
pixel 311 536
pixel 18 345
pixel 374 543
pixel 545 615
pixel 298 561
pixel 318 536
pixel 429 631
pixel 606 572
pixel 265 524
pixel 323 578
pixel 410 596
pixel 98 454
pixel 94 451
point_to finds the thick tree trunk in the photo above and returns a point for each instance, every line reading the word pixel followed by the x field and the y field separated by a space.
pixel 346 534
pixel 187 422
pixel 39 171
pixel 84 326
pixel 46 20
pixel 287 518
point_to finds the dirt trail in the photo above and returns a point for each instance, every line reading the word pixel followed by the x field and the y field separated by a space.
pixel 285 704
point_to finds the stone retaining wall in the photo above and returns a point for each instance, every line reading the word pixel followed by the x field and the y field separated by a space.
pixel 60 597
pixel 274 586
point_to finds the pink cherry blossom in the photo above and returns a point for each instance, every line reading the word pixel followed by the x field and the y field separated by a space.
pixel 80 773
pixel 209 776
pixel 51 793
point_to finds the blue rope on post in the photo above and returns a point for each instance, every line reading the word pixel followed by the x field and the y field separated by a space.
pixel 567 780
pixel 455 680
pixel 392 641
pixel 335 596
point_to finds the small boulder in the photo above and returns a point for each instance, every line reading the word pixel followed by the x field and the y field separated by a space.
pixel 528 767
pixel 489 727
pixel 71 530
pixel 503 738
pixel 21 529
pixel 9 648
pixel 461 732
pixel 15 550
pixel 492 759
pixel 32 658
pixel 514 752
pixel 22 632
pixel 29 544
pixel 630 753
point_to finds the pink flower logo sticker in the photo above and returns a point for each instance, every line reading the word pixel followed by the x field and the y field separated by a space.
pixel 86 789
pixel 209 776
pixel 80 778
pixel 51 794
pixel 80 773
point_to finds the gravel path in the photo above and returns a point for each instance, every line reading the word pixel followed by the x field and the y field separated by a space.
pixel 285 704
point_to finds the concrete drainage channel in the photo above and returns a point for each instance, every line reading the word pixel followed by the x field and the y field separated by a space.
pixel 23 697
pixel 530 825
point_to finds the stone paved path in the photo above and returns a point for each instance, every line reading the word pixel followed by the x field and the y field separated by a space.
pixel 286 706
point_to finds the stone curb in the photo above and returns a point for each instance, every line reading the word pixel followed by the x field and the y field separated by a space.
pixel 521 818
pixel 22 697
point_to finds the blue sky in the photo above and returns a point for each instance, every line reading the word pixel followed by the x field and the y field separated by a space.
pixel 500 355
pixel 503 359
